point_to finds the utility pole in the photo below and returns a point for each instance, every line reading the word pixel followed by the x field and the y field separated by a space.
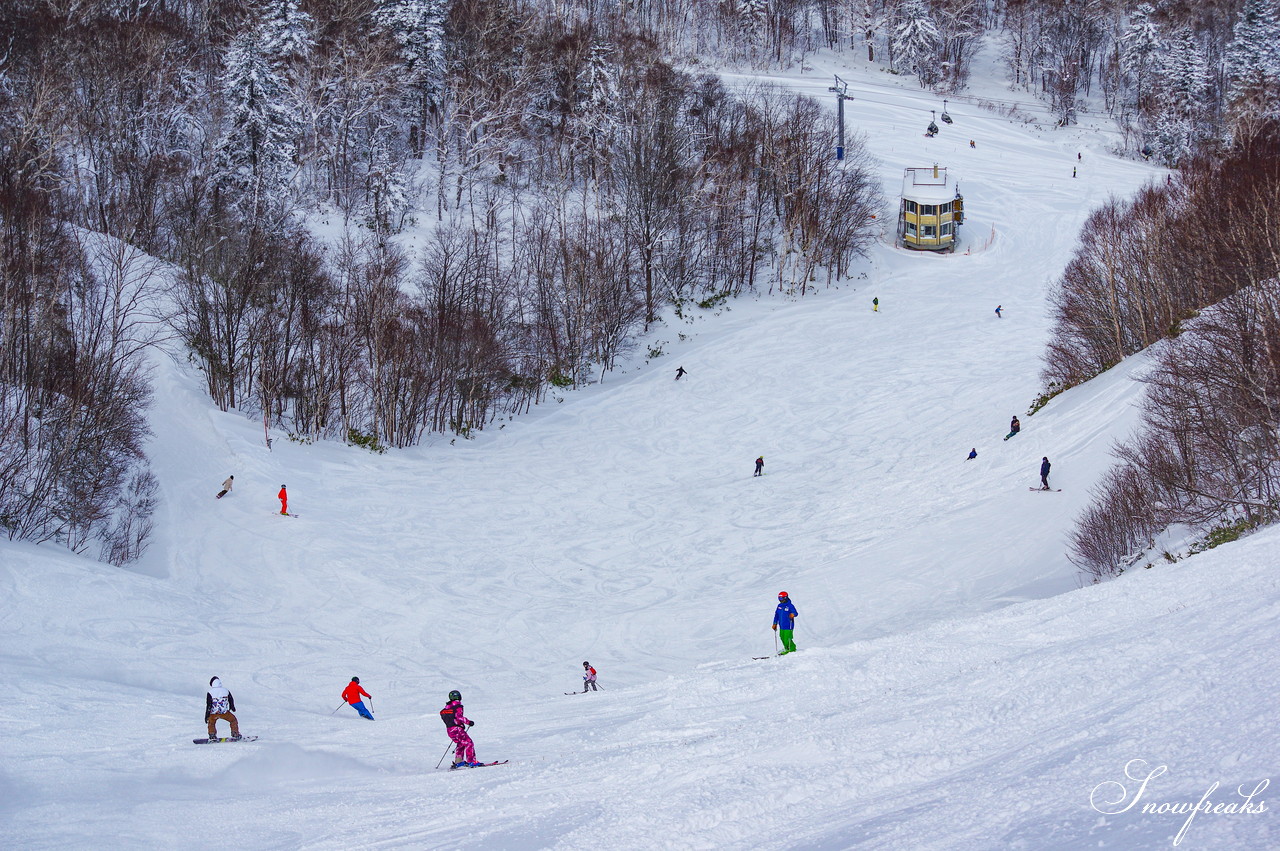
pixel 841 88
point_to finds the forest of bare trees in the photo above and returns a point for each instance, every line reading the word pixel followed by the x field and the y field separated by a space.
pixel 239 177
pixel 565 182
pixel 1195 268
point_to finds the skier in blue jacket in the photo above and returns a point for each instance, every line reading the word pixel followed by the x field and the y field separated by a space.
pixel 784 621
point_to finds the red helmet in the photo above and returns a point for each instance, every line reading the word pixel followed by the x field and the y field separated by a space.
pixel 782 593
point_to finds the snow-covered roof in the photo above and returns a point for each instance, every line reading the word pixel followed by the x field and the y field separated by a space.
pixel 928 185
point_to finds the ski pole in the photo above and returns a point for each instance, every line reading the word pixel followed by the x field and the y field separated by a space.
pixel 443 755
pixel 339 706
pixel 371 706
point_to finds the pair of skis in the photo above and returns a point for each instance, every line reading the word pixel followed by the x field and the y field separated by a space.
pixel 481 765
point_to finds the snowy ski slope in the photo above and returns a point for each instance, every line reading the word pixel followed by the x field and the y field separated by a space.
pixel 954 689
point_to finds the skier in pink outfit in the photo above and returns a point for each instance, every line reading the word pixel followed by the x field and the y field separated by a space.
pixel 465 752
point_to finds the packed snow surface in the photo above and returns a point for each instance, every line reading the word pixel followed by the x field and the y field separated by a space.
pixel 955 687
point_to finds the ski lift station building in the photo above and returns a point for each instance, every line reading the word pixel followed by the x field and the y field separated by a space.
pixel 931 210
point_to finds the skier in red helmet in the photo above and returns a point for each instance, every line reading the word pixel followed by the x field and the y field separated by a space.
pixel 784 621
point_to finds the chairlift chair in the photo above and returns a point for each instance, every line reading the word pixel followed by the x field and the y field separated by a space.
pixel 946 119
pixel 933 127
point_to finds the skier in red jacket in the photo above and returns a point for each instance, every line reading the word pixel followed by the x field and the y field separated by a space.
pixel 284 500
pixel 352 693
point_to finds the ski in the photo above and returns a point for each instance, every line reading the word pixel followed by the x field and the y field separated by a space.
pixel 481 765
pixel 1050 490
pixel 764 657
pixel 224 739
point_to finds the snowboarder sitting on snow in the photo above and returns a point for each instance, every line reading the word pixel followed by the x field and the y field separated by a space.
pixel 588 678
pixel 352 693
pixel 226 486
pixel 464 754
pixel 784 621
pixel 1014 428
pixel 219 705
pixel 1044 473
pixel 759 467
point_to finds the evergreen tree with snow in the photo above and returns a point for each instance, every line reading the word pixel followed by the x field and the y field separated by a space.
pixel 286 34
pixel 1183 99
pixel 417 27
pixel 753 20
pixel 387 187
pixel 1253 65
pixel 915 41
pixel 1140 47
pixel 596 110
pixel 254 158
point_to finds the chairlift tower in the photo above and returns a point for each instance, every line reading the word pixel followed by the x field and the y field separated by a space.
pixel 841 89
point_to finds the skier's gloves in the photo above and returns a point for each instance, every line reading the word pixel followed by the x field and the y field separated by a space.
pixel 775 627
pixel 471 723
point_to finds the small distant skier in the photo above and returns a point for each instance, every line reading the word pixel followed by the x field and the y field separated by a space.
pixel 464 755
pixel 972 144
pixel 1073 171
pixel 283 496
pixel 759 467
pixel 352 694
pixel 1044 473
pixel 226 487
pixel 679 372
pixel 1014 427
pixel 219 705
pixel 973 453
pixel 875 304
pixel 784 621
pixel 1079 156
pixel 588 678
pixel 999 315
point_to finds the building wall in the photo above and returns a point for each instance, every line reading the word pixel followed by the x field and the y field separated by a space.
pixel 928 225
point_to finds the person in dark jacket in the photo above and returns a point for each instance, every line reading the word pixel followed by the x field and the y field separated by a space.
pixel 219 705
pixel 973 453
pixel 1014 428
pixel 759 467
pixel 680 371
pixel 784 621
pixel 1044 473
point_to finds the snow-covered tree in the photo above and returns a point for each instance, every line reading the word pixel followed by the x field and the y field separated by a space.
pixel 254 159
pixel 597 87
pixel 1253 64
pixel 915 41
pixel 387 186
pixel 417 27
pixel 753 16
pixel 1183 94
pixel 286 33
pixel 1140 47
